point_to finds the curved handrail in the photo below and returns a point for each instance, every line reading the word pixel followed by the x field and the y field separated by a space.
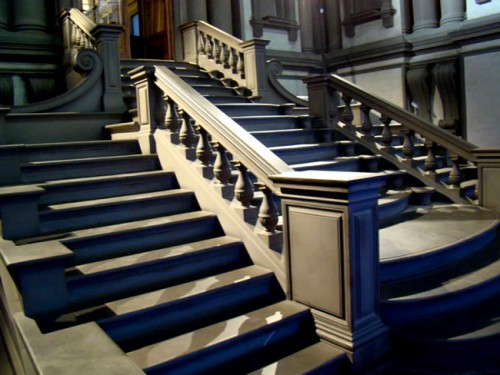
pixel 248 150
pixel 440 136
pixel 275 69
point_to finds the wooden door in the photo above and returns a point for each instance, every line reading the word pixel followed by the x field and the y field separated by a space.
pixel 157 28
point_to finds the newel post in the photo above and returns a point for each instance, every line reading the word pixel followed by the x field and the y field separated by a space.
pixel 323 100
pixel 331 244
pixel 107 38
pixel 488 165
pixel 146 94
pixel 254 55
pixel 190 41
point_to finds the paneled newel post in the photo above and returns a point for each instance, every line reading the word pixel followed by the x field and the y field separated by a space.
pixel 146 92
pixel 325 103
pixel 254 55
pixel 488 166
pixel 331 244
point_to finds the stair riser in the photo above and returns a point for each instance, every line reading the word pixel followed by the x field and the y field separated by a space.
pixel 162 322
pixel 81 218
pixel 271 124
pixel 131 242
pixel 227 99
pixel 65 152
pixel 391 210
pixel 106 189
pixel 306 156
pixel 251 110
pixel 394 313
pixel 247 352
pixel 200 80
pixel 85 169
pixel 391 271
pixel 109 286
pixel 277 139
pixel 214 90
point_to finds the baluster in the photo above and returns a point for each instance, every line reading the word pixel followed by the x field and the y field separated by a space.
pixel 224 55
pixel 186 133
pixel 366 123
pixel 217 49
pixel 455 177
pixel 348 116
pixel 201 44
pixel 408 146
pixel 240 65
pixel 430 160
pixel 268 213
pixel 243 189
pixel 232 60
pixel 203 149
pixel 209 46
pixel 160 110
pixel 222 168
pixel 172 121
pixel 386 132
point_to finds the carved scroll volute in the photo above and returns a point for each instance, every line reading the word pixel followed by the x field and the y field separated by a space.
pixel 386 131
pixel 243 189
pixel 366 123
pixel 445 76
pixel 347 116
pixel 418 80
pixel 222 168
pixel 204 151
pixel 268 213
pixel 172 121
pixel 186 133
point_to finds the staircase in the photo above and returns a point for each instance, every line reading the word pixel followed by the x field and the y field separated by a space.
pixel 160 277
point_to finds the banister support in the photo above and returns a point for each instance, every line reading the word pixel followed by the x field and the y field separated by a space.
pixel 325 100
pixel 331 245
pixel 488 165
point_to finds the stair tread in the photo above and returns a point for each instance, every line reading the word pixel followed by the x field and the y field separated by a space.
pixel 212 335
pixel 393 195
pixel 136 225
pixel 112 200
pixel 186 290
pixel 444 226
pixel 88 160
pixel 301 362
pixel 321 163
pixel 153 255
pixel 465 281
pixel 94 179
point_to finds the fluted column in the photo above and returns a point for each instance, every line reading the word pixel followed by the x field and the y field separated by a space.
pixel 306 26
pixel 29 15
pixel 220 14
pixel 425 14
pixel 452 11
pixel 4 14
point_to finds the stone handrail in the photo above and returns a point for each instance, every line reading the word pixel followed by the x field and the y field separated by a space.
pixel 241 63
pixel 433 155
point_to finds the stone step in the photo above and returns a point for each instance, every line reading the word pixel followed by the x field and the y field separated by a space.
pixel 90 245
pixel 121 277
pixel 306 153
pixel 88 188
pixel 88 167
pixel 105 211
pixel 318 358
pixel 215 90
pixel 225 99
pixel 239 109
pixel 239 345
pixel 452 232
pixel 393 203
pixel 202 80
pixel 460 285
pixel 272 122
pixel 287 137
pixel 165 313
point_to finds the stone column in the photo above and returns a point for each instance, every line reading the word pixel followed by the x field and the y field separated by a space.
pixel 330 225
pixel 333 25
pixel 4 14
pixel 306 25
pixel 220 14
pixel 425 14
pixel 452 11
pixel 29 15
pixel 196 10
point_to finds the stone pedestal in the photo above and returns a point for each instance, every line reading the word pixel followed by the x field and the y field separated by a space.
pixel 488 165
pixel 331 246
